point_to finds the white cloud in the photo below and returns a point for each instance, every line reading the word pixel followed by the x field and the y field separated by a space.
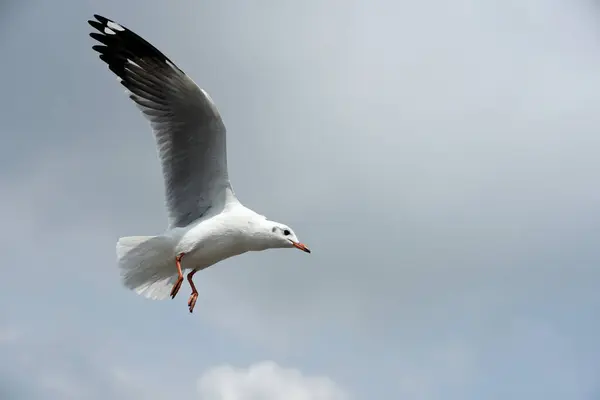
pixel 266 381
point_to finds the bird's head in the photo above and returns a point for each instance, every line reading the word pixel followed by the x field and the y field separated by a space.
pixel 282 236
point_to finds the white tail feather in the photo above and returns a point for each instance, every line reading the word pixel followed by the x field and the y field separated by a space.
pixel 147 265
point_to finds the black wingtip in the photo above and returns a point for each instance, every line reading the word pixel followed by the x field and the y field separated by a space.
pixel 102 19
pixel 101 22
pixel 117 44
pixel 96 25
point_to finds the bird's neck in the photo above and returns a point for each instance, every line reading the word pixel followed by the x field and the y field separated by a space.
pixel 258 233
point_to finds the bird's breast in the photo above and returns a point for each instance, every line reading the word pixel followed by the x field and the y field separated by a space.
pixel 208 243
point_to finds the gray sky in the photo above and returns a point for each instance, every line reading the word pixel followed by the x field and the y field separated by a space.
pixel 439 158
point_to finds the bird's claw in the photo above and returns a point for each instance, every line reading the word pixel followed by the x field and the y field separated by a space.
pixel 192 301
pixel 176 287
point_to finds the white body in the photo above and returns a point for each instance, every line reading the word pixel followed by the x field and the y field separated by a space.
pixel 218 237
pixel 147 263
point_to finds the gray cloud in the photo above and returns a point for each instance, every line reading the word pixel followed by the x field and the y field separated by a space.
pixel 440 159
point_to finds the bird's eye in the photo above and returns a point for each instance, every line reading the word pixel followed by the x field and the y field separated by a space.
pixel 286 232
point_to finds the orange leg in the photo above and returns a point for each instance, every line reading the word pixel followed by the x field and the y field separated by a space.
pixel 177 284
pixel 194 295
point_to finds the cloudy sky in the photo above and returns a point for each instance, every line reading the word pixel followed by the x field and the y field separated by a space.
pixel 440 158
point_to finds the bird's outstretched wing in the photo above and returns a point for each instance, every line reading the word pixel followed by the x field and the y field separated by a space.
pixel 189 131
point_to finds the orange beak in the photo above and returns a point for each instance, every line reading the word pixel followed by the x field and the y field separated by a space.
pixel 301 246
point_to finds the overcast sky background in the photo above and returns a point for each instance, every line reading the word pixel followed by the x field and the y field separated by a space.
pixel 439 158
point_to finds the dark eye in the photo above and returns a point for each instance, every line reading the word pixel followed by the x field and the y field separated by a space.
pixel 286 232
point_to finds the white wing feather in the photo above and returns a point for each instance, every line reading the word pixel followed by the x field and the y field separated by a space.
pixel 190 134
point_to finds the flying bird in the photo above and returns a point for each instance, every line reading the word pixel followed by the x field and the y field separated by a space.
pixel 207 223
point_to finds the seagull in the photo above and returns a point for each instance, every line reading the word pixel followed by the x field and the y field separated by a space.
pixel 207 223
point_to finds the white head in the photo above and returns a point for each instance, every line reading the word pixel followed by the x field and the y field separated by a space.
pixel 276 235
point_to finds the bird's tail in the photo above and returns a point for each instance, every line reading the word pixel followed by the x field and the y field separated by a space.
pixel 147 265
